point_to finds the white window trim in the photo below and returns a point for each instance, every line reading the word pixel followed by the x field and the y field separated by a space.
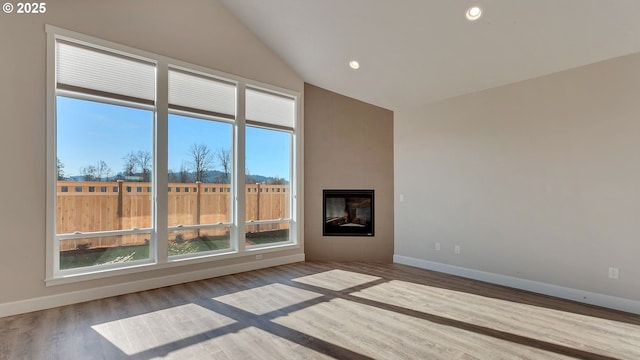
pixel 159 258
pixel 290 219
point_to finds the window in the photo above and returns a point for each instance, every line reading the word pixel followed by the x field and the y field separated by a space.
pixel 270 125
pixel 268 214
pixel 201 118
pixel 101 117
pixel 132 122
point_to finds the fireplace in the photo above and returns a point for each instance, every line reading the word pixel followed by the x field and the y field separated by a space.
pixel 348 212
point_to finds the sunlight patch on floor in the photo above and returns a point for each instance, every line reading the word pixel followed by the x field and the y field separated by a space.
pixel 151 330
pixel 355 326
pixel 572 330
pixel 337 280
pixel 268 298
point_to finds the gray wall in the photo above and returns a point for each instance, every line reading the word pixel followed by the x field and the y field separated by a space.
pixel 202 32
pixel 538 180
pixel 348 145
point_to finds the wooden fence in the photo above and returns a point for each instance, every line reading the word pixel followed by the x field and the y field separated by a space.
pixel 89 206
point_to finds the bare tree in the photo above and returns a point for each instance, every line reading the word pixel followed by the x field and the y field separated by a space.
pixel 138 163
pixel 102 171
pixel 89 173
pixel 223 156
pixel 98 172
pixel 202 160
pixel 143 159
pixel 130 161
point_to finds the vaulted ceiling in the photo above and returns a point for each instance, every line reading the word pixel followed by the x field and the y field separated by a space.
pixel 413 52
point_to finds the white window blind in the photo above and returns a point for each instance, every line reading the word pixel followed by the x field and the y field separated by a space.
pixel 83 69
pixel 269 108
pixel 194 92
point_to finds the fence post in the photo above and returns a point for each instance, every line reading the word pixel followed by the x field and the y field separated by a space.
pixel 119 212
pixel 197 222
pixel 258 208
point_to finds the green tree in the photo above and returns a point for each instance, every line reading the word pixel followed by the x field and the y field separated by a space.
pixel 183 177
pixel 60 169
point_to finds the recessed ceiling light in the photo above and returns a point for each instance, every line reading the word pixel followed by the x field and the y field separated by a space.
pixel 474 13
pixel 354 64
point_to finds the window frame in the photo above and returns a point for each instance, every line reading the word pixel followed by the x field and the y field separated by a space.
pixel 232 205
pixel 288 220
pixel 158 251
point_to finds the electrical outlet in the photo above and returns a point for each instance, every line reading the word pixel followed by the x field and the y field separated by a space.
pixel 613 273
pixel 437 246
pixel 456 249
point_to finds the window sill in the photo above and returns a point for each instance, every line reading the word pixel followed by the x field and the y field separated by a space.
pixel 172 263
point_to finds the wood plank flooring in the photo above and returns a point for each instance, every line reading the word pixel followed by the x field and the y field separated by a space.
pixel 325 311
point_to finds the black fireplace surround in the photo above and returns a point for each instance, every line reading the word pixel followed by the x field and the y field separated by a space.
pixel 348 212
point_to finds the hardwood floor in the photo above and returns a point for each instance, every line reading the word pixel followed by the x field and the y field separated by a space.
pixel 324 311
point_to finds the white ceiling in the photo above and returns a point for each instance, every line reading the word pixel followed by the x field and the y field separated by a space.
pixel 413 52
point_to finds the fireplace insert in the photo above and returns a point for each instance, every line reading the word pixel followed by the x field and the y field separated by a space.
pixel 348 212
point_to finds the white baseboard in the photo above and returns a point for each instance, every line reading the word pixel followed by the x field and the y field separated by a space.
pixel 47 302
pixel 586 297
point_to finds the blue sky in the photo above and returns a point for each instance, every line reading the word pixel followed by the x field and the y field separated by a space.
pixel 88 132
